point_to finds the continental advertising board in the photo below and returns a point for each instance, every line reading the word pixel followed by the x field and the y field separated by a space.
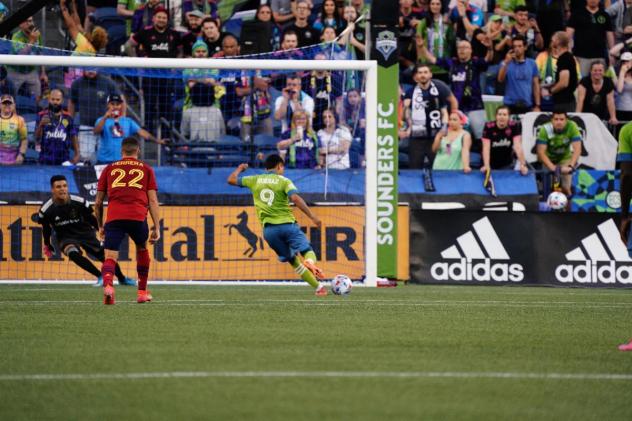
pixel 197 243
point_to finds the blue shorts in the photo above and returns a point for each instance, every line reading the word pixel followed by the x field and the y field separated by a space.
pixel 286 240
pixel 115 232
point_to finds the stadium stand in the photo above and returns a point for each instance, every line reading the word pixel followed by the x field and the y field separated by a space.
pixel 417 20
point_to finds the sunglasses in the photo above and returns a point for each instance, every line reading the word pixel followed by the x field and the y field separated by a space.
pixel 7 102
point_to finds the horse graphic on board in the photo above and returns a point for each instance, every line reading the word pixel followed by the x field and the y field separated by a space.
pixel 244 231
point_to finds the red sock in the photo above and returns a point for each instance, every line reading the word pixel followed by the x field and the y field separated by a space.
pixel 107 272
pixel 142 267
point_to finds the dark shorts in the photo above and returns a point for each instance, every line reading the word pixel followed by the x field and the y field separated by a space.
pixel 286 240
pixel 115 232
pixel 90 245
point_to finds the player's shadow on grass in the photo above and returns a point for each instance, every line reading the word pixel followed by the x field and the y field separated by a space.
pixel 247 233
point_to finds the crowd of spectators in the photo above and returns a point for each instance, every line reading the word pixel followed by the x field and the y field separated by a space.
pixel 539 55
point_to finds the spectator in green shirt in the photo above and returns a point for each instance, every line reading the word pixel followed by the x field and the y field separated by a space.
pixel 26 41
pixel 559 146
pixel 126 8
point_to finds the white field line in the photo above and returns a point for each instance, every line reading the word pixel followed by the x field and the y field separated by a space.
pixel 338 302
pixel 318 374
pixel 523 290
pixel 295 282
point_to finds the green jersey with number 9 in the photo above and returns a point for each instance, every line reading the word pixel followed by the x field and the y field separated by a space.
pixel 271 193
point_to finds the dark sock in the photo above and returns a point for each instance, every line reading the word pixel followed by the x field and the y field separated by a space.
pixel 84 263
pixel 142 267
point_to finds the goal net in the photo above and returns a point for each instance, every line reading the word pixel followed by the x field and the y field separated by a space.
pixel 212 115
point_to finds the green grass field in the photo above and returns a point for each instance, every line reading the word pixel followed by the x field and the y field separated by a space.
pixel 279 353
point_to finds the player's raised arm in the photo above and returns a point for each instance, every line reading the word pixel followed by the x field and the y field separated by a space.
pixel 233 177
pixel 154 211
pixel 300 203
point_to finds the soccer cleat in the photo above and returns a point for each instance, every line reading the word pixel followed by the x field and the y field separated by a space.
pixel 108 295
pixel 99 282
pixel 321 291
pixel 313 268
pixel 143 297
pixel 128 281
pixel 626 347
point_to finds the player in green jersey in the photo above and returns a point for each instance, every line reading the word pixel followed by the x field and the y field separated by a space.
pixel 559 147
pixel 272 192
pixel 624 157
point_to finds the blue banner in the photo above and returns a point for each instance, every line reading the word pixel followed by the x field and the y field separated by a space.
pixel 208 186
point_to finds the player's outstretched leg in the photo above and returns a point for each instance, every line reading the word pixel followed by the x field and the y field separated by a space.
pixel 107 272
pixel 142 267
pixel 78 259
pixel 308 276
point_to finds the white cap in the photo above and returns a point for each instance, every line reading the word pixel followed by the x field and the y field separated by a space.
pixel 627 56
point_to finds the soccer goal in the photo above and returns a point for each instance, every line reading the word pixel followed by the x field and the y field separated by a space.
pixel 210 231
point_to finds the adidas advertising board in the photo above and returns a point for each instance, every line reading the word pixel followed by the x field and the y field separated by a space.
pixel 462 247
pixel 600 258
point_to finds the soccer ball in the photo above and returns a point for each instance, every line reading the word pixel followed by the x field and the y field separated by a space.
pixel 341 285
pixel 557 201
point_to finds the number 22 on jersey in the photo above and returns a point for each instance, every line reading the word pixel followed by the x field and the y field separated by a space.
pixel 119 174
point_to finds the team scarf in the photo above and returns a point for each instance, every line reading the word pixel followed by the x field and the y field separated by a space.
pixel 436 37
pixel 420 114
pixel 307 134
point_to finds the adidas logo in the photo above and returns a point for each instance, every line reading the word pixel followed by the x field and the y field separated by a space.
pixel 601 258
pixel 475 252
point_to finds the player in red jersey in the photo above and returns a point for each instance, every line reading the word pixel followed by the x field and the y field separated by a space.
pixel 130 186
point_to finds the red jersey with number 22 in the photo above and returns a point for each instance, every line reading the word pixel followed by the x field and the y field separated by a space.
pixel 126 183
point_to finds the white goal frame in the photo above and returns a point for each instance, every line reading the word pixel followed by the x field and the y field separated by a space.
pixel 369 66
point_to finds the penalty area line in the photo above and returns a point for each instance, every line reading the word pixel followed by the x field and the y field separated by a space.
pixel 318 374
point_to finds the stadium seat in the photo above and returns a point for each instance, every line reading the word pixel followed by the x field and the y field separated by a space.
pixel 265 143
pixel 228 151
pixel 31 156
pixel 233 26
pixel 25 105
pixel 227 139
pixel 29 117
pixel 108 19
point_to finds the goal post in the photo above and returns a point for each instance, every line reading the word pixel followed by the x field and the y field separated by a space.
pixel 369 68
